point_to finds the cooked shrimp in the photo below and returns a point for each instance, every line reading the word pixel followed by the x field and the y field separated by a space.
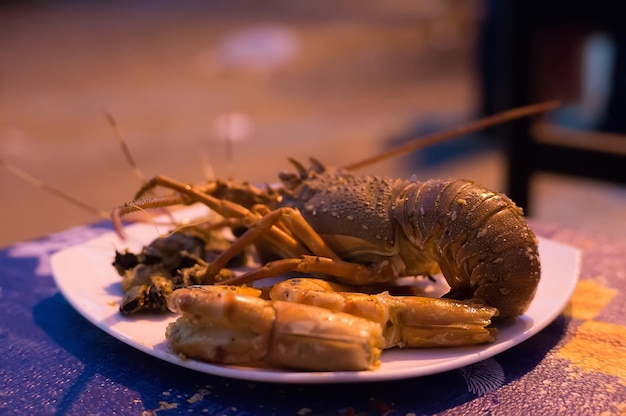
pixel 220 324
pixel 407 321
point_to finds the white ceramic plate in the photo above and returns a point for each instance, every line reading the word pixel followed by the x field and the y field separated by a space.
pixel 92 286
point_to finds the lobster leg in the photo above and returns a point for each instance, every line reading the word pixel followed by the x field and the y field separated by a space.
pixel 346 272
pixel 268 227
pixel 293 221
pixel 191 194
pixel 227 209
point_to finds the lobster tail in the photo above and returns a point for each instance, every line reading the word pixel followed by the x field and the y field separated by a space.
pixel 505 260
pixel 479 238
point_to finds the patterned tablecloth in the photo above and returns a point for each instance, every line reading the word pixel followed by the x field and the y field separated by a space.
pixel 53 361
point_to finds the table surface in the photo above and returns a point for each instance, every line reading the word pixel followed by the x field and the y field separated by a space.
pixel 53 361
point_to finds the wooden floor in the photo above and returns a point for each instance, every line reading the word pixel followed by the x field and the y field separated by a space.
pixel 292 81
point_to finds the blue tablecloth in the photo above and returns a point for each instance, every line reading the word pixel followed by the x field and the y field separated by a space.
pixel 53 361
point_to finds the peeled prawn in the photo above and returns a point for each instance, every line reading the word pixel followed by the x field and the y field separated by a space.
pixel 220 324
pixel 406 321
pixel 314 324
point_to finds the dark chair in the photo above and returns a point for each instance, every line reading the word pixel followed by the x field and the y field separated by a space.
pixel 529 53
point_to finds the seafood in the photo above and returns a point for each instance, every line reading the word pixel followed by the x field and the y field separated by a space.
pixel 313 324
pixel 407 321
pixel 231 325
pixel 168 263
pixel 355 230
pixel 362 230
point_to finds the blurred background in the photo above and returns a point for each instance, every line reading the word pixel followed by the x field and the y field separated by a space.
pixel 242 85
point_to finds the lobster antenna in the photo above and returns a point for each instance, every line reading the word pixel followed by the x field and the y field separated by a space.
pixel 480 124
pixel 122 142
pixel 38 183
